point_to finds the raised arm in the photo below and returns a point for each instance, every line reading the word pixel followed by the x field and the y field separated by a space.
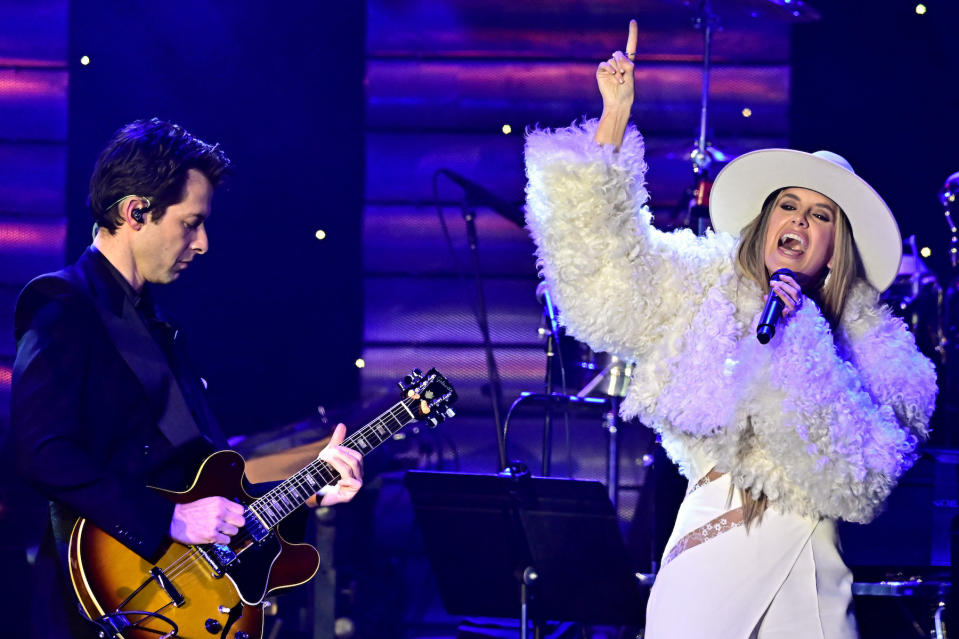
pixel 620 284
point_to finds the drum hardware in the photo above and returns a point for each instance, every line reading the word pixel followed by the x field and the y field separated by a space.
pixel 703 155
pixel 949 317
pixel 613 378
pixel 935 592
pixel 947 195
pixel 950 314
pixel 612 381
pixel 916 296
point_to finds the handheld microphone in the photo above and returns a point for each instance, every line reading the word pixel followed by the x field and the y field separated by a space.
pixel 772 312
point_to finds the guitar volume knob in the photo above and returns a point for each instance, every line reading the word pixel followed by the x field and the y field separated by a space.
pixel 212 626
pixel 240 634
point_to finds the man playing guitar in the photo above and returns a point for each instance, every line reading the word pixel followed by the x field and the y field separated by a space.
pixel 104 402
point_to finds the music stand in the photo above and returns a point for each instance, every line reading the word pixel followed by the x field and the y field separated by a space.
pixel 500 543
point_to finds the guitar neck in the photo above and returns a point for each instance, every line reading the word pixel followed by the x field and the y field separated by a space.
pixel 283 499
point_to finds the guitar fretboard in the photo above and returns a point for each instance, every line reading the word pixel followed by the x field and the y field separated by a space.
pixel 283 499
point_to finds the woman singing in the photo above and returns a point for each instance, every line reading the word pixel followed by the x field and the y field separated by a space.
pixel 778 440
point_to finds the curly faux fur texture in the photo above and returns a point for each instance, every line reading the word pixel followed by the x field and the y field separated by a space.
pixel 823 424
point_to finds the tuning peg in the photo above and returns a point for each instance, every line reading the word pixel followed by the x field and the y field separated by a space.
pixel 450 413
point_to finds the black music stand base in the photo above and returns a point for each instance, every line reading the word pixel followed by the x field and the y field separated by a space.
pixel 519 546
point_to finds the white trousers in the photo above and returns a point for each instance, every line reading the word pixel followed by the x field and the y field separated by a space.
pixel 783 579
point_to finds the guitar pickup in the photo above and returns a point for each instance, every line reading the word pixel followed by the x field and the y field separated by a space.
pixel 167 586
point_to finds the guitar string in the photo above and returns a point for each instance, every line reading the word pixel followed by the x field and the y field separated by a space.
pixel 187 559
pixel 181 564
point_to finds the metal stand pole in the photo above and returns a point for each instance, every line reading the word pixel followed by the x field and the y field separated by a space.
pixel 496 387
pixel 705 21
pixel 551 346
pixel 529 579
pixel 611 424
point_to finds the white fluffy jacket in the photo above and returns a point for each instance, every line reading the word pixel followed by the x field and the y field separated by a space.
pixel 822 423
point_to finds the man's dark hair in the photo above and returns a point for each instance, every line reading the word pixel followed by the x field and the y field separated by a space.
pixel 150 158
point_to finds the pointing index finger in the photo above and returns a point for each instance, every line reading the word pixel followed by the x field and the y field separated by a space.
pixel 632 40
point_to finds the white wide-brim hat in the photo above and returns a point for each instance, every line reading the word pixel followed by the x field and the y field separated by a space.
pixel 742 187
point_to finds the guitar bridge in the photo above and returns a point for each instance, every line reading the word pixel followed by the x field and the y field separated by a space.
pixel 167 586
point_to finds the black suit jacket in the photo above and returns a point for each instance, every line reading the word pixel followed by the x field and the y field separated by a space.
pixel 99 410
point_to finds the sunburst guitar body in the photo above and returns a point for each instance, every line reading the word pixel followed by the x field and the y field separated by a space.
pixel 213 590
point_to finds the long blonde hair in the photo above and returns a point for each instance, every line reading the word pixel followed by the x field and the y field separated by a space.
pixel 830 290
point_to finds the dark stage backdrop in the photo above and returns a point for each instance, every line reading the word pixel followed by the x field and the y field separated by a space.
pixel 273 315
pixel 877 83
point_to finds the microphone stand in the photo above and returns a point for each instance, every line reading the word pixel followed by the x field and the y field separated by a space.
pixel 482 318
pixel 551 346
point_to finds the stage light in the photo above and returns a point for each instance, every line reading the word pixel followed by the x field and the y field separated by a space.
pixel 921 9
pixel 925 251
pixel 507 129
pixel 360 362
pixel 320 234
pixel 85 60
pixel 747 112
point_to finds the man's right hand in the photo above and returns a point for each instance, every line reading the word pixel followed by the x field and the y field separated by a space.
pixel 205 521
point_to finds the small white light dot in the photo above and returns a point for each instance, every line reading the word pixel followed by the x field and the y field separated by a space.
pixel 921 9
pixel 85 60
pixel 953 249
pixel 925 251
pixel 507 129
pixel 747 112
pixel 320 234
pixel 360 362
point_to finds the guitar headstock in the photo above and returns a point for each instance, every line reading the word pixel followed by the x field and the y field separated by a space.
pixel 433 389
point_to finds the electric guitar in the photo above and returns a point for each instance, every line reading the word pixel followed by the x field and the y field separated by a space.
pixel 214 590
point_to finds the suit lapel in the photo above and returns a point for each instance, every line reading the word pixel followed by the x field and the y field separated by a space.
pixel 132 338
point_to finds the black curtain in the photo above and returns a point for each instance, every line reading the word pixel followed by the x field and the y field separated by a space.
pixel 272 314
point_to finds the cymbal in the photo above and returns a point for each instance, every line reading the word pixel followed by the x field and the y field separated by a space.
pixel 689 153
pixel 782 11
